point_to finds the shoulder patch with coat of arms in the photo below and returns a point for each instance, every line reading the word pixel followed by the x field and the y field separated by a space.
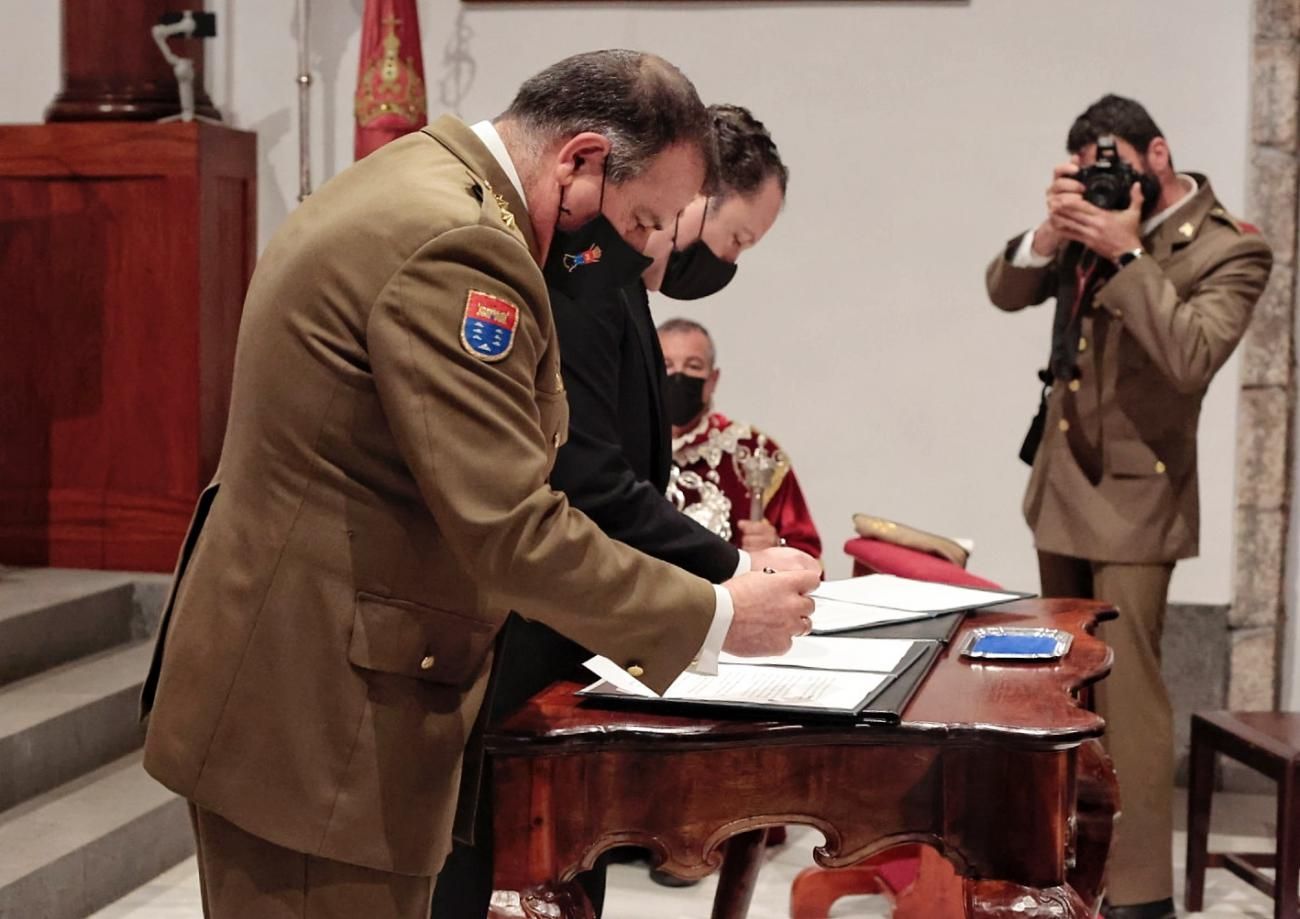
pixel 487 330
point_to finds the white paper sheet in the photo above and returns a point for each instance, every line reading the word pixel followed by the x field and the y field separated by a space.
pixel 840 616
pixel 891 592
pixel 615 675
pixel 788 686
pixel 863 655
pixel 749 684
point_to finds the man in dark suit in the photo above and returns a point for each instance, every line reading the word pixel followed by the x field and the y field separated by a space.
pixel 615 466
pixel 616 463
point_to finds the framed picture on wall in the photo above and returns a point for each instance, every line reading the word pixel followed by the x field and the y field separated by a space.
pixel 715 2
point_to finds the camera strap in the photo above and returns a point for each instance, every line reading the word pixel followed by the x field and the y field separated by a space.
pixel 1029 446
pixel 1088 272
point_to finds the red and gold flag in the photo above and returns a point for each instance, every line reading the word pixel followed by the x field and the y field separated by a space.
pixel 390 97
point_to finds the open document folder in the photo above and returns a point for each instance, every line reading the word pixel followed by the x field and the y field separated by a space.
pixel 876 599
pixel 817 675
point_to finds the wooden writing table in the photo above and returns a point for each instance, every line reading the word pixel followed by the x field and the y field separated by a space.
pixel 997 766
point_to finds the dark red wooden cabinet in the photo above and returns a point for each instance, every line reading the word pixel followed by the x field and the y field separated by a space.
pixel 125 251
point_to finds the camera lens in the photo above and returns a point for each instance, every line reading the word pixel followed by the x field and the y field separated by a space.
pixel 1105 191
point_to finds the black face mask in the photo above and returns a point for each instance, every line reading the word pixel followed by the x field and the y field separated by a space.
pixel 684 398
pixel 695 272
pixel 593 259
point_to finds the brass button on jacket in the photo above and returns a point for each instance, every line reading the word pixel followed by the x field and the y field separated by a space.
pixel 1063 425
pixel 426 663
pixel 1160 467
pixel 1074 386
pixel 635 670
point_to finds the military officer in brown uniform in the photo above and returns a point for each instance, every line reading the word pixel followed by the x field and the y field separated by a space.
pixel 381 501
pixel 1151 298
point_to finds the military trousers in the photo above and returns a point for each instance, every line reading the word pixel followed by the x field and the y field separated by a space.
pixel 242 876
pixel 1139 719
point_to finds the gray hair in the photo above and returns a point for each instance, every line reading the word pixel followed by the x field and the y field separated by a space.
pixel 682 326
pixel 641 103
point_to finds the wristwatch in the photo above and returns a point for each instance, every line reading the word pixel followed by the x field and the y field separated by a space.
pixel 1126 258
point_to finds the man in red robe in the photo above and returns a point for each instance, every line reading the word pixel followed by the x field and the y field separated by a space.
pixel 728 476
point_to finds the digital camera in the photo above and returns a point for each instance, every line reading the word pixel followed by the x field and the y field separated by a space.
pixel 1107 181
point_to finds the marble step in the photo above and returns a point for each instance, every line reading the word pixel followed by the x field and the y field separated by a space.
pixel 63 722
pixel 49 616
pixel 83 845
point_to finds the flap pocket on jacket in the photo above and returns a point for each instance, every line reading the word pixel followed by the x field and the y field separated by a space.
pixel 1136 458
pixel 553 409
pixel 410 639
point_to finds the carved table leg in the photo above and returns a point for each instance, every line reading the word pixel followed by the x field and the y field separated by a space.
pixel 556 901
pixel 1004 900
pixel 739 874
pixel 939 891
pixel 1096 801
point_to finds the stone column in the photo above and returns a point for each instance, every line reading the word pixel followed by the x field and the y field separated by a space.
pixel 1266 402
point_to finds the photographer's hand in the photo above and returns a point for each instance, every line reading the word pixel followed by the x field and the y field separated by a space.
pixel 1108 233
pixel 1062 190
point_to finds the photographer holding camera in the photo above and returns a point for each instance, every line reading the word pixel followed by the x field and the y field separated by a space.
pixel 1154 284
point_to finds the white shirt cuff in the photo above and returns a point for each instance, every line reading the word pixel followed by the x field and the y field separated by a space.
pixel 1026 257
pixel 706 662
pixel 744 566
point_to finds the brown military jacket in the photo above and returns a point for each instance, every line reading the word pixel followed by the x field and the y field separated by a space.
pixel 381 504
pixel 1115 476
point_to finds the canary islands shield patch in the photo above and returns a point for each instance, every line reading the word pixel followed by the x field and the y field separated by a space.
pixel 488 329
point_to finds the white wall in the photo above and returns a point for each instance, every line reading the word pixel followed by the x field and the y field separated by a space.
pixel 920 136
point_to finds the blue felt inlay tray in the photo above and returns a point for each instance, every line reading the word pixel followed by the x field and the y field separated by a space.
pixel 1007 643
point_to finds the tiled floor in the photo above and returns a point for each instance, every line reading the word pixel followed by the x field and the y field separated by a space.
pixel 1240 822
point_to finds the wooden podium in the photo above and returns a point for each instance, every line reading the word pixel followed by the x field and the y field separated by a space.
pixel 125 251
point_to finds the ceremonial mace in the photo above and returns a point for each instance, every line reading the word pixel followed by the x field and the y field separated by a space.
pixel 304 103
pixel 755 468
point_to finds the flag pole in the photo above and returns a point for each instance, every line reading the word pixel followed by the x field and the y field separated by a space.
pixel 304 104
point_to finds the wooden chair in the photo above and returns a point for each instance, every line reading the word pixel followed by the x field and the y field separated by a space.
pixel 889 874
pixel 1268 742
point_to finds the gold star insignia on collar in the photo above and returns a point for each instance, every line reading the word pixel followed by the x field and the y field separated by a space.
pixel 506 217
pixel 503 207
pixel 1187 230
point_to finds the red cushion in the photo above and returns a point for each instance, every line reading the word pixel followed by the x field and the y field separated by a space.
pixel 876 556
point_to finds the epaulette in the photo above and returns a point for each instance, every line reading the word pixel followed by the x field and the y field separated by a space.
pixel 1241 226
